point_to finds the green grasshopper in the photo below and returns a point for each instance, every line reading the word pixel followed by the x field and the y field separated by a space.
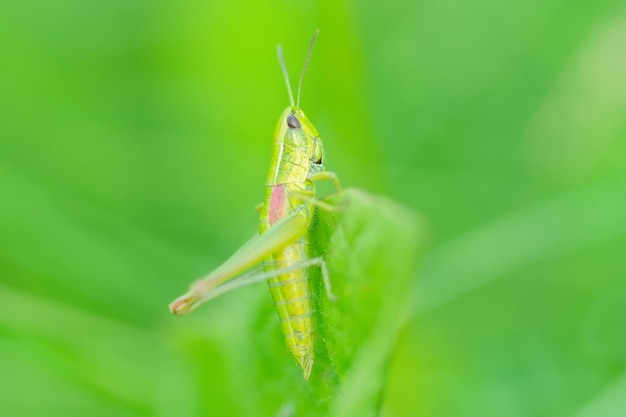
pixel 281 245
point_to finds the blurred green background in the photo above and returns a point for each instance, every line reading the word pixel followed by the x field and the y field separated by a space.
pixel 134 139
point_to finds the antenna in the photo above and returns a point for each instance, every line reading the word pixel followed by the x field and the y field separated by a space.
pixel 306 64
pixel 283 66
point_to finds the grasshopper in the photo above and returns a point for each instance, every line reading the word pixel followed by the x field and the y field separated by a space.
pixel 281 245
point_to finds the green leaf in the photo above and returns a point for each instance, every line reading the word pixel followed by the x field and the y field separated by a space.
pixel 372 249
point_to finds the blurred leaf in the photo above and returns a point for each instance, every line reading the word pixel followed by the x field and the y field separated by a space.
pixel 609 403
pixel 562 225
pixel 80 361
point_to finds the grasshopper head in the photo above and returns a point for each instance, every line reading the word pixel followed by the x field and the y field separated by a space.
pixel 300 134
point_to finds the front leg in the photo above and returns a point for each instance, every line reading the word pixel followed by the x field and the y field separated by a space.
pixel 325 175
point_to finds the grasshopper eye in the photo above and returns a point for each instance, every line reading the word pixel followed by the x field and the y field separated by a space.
pixel 293 122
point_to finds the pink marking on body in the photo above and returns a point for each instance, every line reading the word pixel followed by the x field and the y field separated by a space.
pixel 277 203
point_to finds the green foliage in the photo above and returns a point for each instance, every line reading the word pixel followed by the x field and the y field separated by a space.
pixel 372 248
